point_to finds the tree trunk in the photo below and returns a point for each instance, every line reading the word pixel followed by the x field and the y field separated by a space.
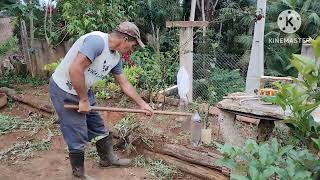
pixel 198 171
pixel 12 93
pixel 33 61
pixel 207 159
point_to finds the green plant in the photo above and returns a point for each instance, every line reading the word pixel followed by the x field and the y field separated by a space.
pixel 103 94
pixel 133 74
pixel 220 83
pixel 91 16
pixel 160 170
pixel 302 97
pixel 125 127
pixel 9 46
pixel 140 161
pixel 7 123
pixel 113 87
pixel 11 79
pixel 99 85
pixel 159 71
pixel 269 160
pixel 50 68
pixel 91 152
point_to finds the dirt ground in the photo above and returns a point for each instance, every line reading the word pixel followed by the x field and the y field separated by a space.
pixel 53 163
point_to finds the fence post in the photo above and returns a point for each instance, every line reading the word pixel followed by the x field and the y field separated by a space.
pixel 256 66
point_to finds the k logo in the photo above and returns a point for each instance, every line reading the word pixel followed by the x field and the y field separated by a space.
pixel 289 21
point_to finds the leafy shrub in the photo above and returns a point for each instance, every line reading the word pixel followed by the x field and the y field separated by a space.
pixel 11 45
pixel 99 85
pixel 301 98
pixel 269 160
pixel 113 87
pixel 103 94
pixel 159 71
pixel 50 68
pixel 220 83
pixel 133 73
pixel 96 15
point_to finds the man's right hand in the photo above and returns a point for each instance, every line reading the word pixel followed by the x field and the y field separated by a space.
pixel 84 106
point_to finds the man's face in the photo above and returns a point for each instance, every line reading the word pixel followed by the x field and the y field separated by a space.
pixel 127 47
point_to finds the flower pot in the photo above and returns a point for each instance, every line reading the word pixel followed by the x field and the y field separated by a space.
pixel 3 99
pixel 206 137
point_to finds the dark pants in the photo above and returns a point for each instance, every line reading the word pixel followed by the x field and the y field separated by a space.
pixel 77 128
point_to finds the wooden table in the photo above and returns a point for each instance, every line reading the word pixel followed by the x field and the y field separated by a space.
pixel 241 104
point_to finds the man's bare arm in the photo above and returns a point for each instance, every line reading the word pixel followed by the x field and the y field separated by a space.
pixel 130 91
pixel 76 73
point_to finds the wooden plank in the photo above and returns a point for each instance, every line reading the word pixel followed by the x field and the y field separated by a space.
pixel 184 24
pixel 276 78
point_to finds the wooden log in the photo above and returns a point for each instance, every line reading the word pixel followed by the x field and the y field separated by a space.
pixel 13 94
pixel 195 170
pixel 193 156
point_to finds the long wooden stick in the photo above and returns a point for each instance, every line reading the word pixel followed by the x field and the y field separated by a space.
pixel 96 108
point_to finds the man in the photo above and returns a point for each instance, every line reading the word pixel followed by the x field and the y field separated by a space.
pixel 91 58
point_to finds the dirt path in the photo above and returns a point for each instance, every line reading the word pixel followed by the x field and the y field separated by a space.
pixel 54 165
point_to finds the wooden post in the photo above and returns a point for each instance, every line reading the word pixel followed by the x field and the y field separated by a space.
pixel 186 46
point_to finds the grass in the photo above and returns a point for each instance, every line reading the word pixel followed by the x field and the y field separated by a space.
pixel 8 123
pixel 24 150
pixel 155 168
pixel 34 124
pixel 91 153
pixel 140 161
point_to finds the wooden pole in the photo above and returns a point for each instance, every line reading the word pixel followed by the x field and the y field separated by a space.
pixel 96 108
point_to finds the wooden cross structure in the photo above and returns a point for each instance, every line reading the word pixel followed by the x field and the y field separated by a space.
pixel 186 46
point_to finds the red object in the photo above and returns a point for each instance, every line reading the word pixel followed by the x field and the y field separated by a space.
pixel 128 59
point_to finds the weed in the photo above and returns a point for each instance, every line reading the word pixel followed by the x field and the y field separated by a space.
pixel 56 132
pixel 91 153
pixel 124 101
pixel 160 170
pixel 9 46
pixel 11 103
pixel 34 124
pixel 140 161
pixel 8 123
pixel 41 145
pixel 126 124
pixel 103 94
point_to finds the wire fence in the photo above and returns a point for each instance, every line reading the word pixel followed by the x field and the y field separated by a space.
pixel 217 75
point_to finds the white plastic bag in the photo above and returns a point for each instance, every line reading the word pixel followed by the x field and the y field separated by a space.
pixel 183 83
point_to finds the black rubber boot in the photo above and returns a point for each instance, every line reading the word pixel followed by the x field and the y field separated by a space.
pixel 106 154
pixel 77 164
